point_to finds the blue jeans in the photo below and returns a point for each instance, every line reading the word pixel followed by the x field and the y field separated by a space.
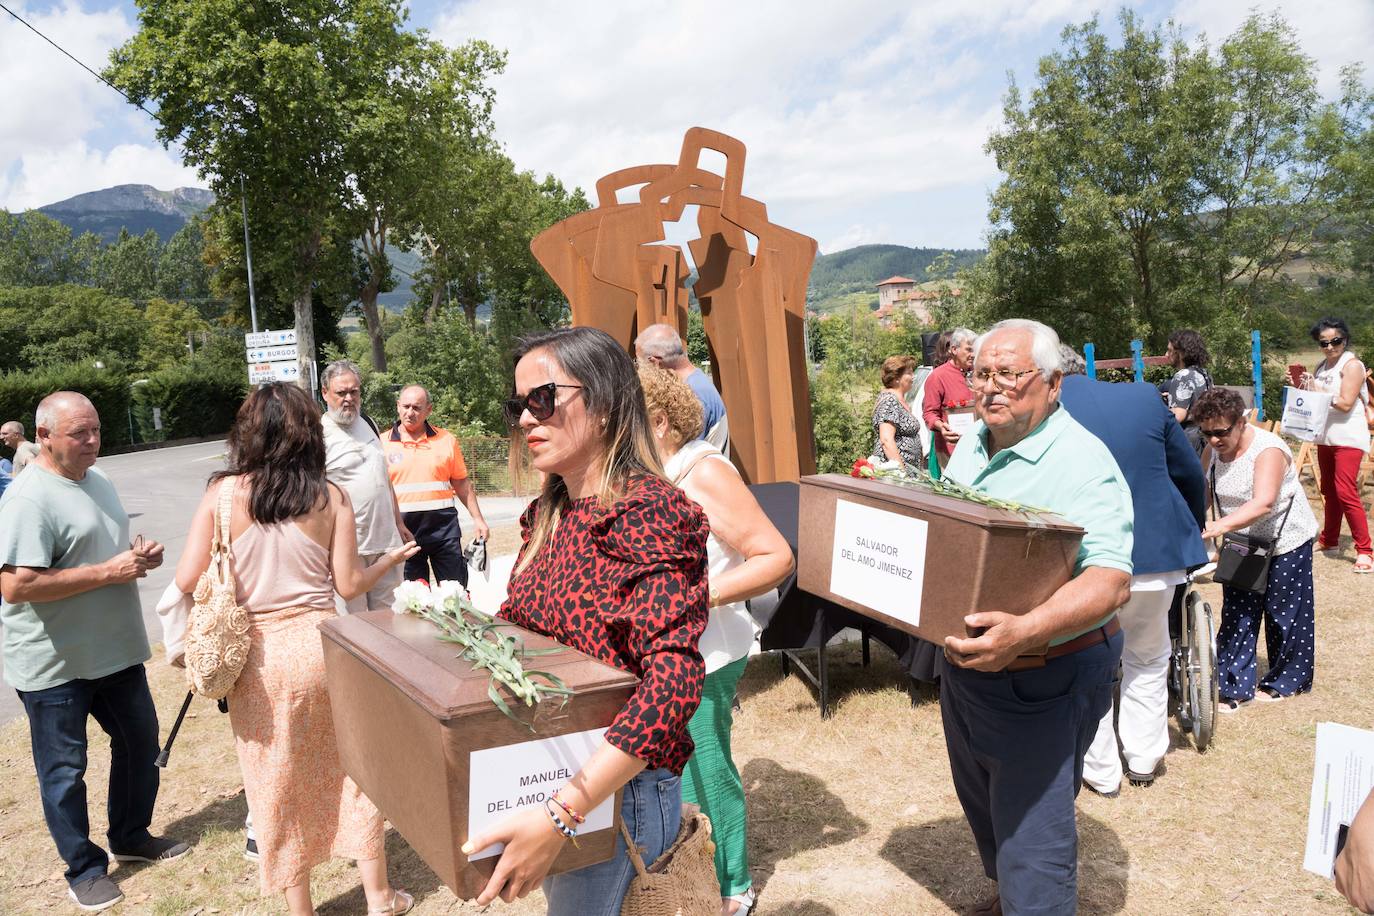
pixel 652 809
pixel 122 705
pixel 1016 743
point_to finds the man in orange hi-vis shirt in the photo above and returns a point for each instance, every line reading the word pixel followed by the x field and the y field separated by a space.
pixel 427 471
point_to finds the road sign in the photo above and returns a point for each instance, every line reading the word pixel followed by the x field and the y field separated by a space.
pixel 270 339
pixel 271 354
pixel 274 372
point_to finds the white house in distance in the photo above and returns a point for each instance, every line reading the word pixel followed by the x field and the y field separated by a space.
pixel 898 293
pixel 894 288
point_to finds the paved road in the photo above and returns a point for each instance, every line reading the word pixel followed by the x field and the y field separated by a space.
pixel 160 490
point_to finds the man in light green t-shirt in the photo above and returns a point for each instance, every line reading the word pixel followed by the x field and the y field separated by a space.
pixel 74 645
pixel 1021 700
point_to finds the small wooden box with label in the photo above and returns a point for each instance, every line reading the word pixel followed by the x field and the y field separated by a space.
pixel 921 561
pixel 419 735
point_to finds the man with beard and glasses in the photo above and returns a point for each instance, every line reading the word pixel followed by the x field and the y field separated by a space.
pixel 356 461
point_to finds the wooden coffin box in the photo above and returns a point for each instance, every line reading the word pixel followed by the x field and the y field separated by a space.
pixel 420 736
pixel 920 561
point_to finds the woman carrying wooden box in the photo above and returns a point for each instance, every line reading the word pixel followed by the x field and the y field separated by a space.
pixel 614 565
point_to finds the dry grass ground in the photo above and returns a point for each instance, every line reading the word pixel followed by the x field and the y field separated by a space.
pixel 854 815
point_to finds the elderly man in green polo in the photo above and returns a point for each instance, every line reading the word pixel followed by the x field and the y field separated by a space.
pixel 1018 720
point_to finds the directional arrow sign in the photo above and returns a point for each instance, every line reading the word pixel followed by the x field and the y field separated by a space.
pixel 270 339
pixel 271 354
pixel 274 372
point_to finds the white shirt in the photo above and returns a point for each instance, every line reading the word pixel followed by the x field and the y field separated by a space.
pixel 1235 486
pixel 354 459
pixel 731 631
pixel 1345 428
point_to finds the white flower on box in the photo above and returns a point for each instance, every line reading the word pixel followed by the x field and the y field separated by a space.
pixel 445 591
pixel 411 598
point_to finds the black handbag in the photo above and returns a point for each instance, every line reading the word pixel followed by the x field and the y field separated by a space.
pixel 1243 560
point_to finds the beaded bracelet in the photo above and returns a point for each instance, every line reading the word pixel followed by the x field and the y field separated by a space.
pixel 577 818
pixel 568 832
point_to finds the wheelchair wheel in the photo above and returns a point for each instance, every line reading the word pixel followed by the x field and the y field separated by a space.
pixel 1201 671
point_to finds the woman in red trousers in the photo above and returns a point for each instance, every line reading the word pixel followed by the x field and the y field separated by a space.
pixel 1343 442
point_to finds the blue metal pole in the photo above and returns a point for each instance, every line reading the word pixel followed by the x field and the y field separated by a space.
pixel 1138 357
pixel 1257 372
pixel 1090 357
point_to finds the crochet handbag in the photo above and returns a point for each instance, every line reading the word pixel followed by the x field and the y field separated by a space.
pixel 217 636
pixel 683 880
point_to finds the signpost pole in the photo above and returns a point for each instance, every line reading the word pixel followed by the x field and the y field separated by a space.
pixel 248 256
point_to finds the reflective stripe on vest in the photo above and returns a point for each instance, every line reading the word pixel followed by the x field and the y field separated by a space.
pixel 422 496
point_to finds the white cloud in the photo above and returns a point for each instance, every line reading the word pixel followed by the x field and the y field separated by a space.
pixel 857 234
pixel 56 173
pixel 1332 32
pixel 53 112
pixel 848 101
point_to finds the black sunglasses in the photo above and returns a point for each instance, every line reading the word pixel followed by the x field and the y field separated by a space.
pixel 1333 342
pixel 540 402
pixel 1217 433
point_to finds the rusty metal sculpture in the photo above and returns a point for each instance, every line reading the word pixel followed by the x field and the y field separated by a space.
pixel 617 278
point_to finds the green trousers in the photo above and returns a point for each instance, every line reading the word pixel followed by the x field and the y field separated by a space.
pixel 711 780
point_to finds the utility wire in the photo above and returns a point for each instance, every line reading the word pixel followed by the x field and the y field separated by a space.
pixel 74 60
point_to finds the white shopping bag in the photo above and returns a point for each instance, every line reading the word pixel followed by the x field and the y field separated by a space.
pixel 1304 412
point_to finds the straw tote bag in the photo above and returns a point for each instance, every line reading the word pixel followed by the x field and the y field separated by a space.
pixel 217 636
pixel 683 880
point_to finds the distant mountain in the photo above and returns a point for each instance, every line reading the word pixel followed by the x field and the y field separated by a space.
pixel 841 278
pixel 140 207
pixel 136 207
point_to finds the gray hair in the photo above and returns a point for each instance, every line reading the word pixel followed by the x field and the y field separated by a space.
pixel 1070 363
pixel 661 342
pixel 958 336
pixel 52 408
pixel 1044 342
pixel 337 368
pixel 14 425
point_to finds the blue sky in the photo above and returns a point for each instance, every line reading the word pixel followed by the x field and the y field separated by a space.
pixel 864 120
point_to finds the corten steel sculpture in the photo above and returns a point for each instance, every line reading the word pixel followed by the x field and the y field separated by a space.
pixel 617 278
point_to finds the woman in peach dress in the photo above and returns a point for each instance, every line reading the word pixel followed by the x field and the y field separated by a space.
pixel 292 546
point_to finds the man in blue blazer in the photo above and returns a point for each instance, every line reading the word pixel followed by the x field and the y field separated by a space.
pixel 1168 493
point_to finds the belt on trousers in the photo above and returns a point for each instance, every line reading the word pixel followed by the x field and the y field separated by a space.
pixel 1077 644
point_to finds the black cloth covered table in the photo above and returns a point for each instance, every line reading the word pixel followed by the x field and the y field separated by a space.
pixel 801 620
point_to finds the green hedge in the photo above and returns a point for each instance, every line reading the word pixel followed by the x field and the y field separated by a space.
pixel 194 398
pixel 108 389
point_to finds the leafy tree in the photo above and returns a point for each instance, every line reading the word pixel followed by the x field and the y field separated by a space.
pixel 173 330
pixel 181 269
pixel 851 340
pixel 842 414
pixel 275 95
pixel 1156 185
pixel 128 266
pixel 480 214
pixel 419 125
pixel 37 250
pixel 459 365
pixel 68 324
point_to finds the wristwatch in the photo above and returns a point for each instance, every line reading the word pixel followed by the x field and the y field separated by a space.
pixel 714 595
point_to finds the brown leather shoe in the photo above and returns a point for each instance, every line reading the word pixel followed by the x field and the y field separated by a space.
pixel 989 907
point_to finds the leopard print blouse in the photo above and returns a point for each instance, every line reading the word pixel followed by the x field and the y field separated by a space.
pixel 627 585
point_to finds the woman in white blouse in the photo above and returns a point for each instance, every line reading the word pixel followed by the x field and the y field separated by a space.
pixel 1343 443
pixel 746 557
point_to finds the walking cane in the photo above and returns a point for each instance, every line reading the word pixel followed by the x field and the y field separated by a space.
pixel 176 727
